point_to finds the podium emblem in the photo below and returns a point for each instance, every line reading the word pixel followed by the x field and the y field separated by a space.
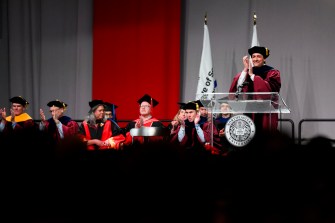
pixel 240 130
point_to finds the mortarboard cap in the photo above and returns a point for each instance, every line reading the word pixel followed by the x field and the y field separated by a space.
pixel 181 105
pixel 94 103
pixel 19 100
pixel 199 103
pixel 57 103
pixel 110 106
pixel 259 49
pixel 148 99
pixel 191 106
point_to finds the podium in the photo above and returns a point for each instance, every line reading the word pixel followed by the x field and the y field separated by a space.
pixel 244 103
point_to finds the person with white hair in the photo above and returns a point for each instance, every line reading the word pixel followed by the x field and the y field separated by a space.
pixel 98 132
pixel 59 125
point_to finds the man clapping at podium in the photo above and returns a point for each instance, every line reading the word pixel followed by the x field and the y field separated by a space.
pixel 258 77
pixel 145 119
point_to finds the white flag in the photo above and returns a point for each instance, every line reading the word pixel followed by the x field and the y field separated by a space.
pixel 206 81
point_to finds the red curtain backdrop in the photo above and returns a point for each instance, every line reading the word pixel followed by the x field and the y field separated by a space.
pixel 136 51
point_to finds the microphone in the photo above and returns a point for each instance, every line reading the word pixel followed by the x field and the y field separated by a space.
pixel 239 88
pixel 245 83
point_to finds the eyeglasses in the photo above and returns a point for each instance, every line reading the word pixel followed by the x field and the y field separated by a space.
pixel 144 106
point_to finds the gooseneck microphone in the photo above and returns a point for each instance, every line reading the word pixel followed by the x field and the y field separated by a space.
pixel 239 88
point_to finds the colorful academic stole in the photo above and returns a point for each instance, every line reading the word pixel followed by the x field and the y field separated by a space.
pixel 19 118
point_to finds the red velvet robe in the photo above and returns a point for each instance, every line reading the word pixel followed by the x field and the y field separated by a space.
pixel 24 124
pixel 70 128
pixel 191 138
pixel 105 131
pixel 266 82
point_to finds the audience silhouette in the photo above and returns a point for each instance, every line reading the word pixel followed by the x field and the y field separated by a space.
pixel 272 179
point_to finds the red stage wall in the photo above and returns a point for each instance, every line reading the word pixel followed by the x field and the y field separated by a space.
pixel 136 50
